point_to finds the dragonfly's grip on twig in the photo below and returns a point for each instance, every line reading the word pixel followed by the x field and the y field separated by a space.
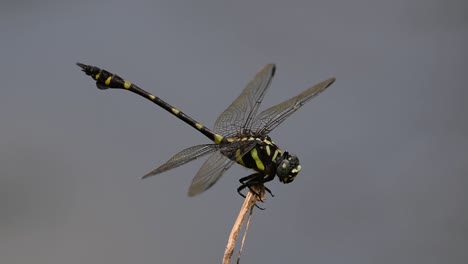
pixel 249 202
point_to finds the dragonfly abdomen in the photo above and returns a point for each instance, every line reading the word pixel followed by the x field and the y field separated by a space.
pixel 106 80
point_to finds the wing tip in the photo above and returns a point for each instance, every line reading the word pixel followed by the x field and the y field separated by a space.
pixel 272 68
pixel 268 68
pixel 147 175
pixel 191 192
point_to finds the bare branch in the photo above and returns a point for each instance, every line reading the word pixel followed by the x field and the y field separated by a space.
pixel 247 206
pixel 239 254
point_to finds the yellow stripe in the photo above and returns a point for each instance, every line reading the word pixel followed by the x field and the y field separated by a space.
pixel 152 97
pixel 108 81
pixel 127 85
pixel 239 158
pixel 218 138
pixel 257 160
pixel 297 169
pixel 96 77
pixel 175 111
pixel 198 126
pixel 276 154
pixel 268 150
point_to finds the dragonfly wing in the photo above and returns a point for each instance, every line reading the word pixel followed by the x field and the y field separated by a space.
pixel 209 173
pixel 241 112
pixel 269 119
pixel 215 166
pixel 183 157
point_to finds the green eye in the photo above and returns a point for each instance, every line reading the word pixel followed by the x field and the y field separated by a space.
pixel 283 169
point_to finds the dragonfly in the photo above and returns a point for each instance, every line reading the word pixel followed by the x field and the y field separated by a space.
pixel 239 135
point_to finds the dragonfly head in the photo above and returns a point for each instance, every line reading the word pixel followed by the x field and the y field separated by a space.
pixel 288 167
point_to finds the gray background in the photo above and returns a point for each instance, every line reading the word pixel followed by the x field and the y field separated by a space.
pixel 384 150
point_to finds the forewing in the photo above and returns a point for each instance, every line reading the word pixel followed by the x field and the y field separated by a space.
pixel 215 166
pixel 183 157
pixel 269 119
pixel 241 112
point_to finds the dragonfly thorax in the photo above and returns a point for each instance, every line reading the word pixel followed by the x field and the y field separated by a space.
pixel 287 167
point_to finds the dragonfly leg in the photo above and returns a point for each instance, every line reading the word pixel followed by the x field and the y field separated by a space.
pixel 245 183
pixel 242 187
pixel 269 191
pixel 254 179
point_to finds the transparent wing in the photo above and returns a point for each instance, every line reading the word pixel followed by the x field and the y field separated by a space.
pixel 215 166
pixel 269 119
pixel 241 112
pixel 183 157
pixel 209 173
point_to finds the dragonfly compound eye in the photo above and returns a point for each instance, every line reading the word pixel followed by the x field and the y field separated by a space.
pixel 288 168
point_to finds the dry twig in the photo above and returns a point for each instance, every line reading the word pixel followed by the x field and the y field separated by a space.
pixel 249 203
pixel 239 254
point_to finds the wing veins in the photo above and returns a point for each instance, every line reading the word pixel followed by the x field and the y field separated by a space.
pixel 270 118
pixel 215 166
pixel 234 119
pixel 183 157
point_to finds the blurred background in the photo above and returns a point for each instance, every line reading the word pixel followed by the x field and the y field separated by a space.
pixel 383 151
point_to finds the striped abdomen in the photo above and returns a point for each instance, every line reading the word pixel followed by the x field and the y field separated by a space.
pixel 107 80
